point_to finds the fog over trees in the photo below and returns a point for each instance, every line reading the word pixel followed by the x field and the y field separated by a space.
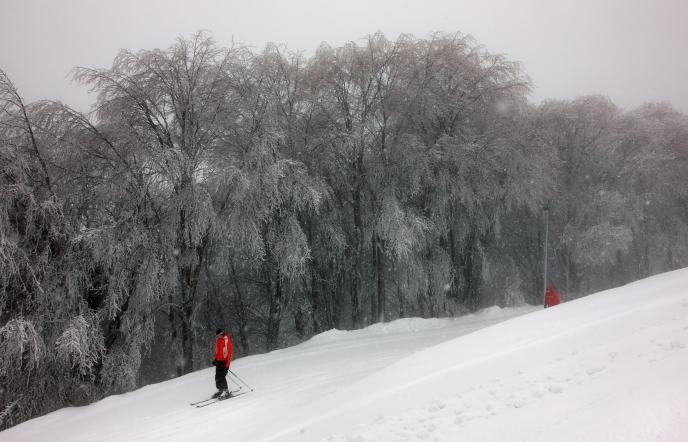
pixel 279 196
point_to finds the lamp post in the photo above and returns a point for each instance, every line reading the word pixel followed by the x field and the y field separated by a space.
pixel 544 276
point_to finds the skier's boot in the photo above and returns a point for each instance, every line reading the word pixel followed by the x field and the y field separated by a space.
pixel 217 394
pixel 225 394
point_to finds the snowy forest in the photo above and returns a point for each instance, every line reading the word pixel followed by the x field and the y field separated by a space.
pixel 280 195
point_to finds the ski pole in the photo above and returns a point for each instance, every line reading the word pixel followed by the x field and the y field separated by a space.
pixel 242 381
pixel 235 383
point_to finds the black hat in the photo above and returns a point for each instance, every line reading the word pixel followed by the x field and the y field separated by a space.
pixel 218 331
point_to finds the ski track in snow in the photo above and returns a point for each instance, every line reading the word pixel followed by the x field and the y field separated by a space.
pixel 607 367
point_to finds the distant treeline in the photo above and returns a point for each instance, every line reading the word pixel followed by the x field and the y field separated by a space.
pixel 279 195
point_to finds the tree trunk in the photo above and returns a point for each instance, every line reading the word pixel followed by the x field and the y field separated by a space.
pixel 357 274
pixel 374 294
pixel 242 313
pixel 190 277
pixel 275 316
pixel 456 264
pixel 187 343
pixel 316 301
pixel 400 300
pixel 471 273
pixel 380 270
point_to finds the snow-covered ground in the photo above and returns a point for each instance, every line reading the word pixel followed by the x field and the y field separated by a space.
pixel 608 367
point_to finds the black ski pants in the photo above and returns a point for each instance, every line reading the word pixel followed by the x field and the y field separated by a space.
pixel 220 374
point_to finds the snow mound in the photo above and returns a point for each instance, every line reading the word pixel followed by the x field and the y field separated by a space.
pixel 411 325
pixel 329 335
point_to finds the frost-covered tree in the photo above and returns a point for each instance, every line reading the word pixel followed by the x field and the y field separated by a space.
pixel 468 106
pixel 589 215
pixel 41 274
pixel 653 147
pixel 175 107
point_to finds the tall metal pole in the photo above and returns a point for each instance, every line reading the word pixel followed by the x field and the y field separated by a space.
pixel 544 277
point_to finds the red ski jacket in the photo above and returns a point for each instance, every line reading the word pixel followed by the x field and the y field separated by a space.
pixel 551 297
pixel 223 348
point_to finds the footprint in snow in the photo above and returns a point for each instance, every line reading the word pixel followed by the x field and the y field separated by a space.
pixel 595 370
pixel 517 402
pixel 436 406
pixel 675 345
pixel 556 389
pixel 422 435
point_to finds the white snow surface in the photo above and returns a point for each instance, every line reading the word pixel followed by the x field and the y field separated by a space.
pixel 612 366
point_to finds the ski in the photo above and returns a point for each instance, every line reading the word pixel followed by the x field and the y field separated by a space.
pixel 216 400
pixel 204 400
pixel 206 403
pixel 213 399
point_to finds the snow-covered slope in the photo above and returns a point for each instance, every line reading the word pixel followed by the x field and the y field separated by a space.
pixel 609 367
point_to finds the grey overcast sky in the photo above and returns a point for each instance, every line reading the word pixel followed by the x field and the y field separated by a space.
pixel 633 51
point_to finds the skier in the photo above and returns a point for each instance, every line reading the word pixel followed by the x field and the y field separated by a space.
pixel 223 356
pixel 551 296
